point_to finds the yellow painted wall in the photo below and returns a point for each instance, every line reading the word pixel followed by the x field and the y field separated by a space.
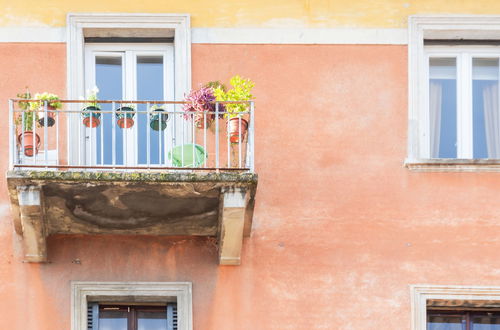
pixel 250 13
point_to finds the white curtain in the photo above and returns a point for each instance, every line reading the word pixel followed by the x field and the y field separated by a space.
pixel 492 120
pixel 435 103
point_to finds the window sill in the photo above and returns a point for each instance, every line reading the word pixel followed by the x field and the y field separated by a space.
pixel 453 165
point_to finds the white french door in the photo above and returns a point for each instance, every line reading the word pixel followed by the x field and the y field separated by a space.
pixel 131 72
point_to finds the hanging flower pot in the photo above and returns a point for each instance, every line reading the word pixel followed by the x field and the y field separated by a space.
pixel 234 125
pixel 30 147
pixel 202 118
pixel 50 120
pixel 91 116
pixel 158 120
pixel 125 120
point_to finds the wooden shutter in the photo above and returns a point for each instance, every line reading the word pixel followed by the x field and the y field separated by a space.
pixel 171 316
pixel 92 316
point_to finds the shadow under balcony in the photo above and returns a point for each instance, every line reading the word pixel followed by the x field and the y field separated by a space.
pixel 62 196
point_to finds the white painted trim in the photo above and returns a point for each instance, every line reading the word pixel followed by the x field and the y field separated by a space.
pixel 84 292
pixel 239 35
pixel 299 36
pixel 32 34
pixel 420 294
pixel 422 27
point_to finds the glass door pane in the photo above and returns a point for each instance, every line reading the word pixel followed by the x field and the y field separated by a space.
pixel 443 107
pixel 486 117
pixel 150 86
pixel 109 80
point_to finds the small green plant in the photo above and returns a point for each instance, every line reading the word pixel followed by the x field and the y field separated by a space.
pixel 28 116
pixel 241 92
pixel 52 101
pixel 92 97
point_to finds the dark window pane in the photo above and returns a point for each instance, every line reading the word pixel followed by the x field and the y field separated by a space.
pixel 486 322
pixel 445 322
pixel 152 320
pixel 112 320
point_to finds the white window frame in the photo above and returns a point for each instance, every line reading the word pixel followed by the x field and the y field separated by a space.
pixel 421 293
pixel 179 24
pixel 128 52
pixel 449 27
pixel 123 292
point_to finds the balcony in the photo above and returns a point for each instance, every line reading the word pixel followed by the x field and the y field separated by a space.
pixel 131 167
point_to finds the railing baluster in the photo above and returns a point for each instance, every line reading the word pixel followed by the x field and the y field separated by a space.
pixel 102 140
pixel 33 127
pixel 56 115
pixel 45 132
pixel 205 140
pixel 193 162
pixel 148 131
pixel 239 141
pixel 251 132
pixel 217 135
pixel 228 144
pixel 113 132
pixel 22 155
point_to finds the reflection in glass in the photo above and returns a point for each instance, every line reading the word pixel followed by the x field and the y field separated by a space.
pixel 443 107
pixel 108 76
pixel 152 320
pixel 445 322
pixel 149 87
pixel 112 320
pixel 485 322
pixel 486 118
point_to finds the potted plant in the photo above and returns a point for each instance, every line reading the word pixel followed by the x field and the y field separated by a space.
pixel 27 120
pixel 125 115
pixel 157 118
pixel 200 105
pixel 53 103
pixel 91 112
pixel 241 92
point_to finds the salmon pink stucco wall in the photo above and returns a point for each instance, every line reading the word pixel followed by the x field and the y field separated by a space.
pixel 341 228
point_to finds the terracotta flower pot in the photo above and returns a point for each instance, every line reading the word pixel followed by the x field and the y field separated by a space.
pixel 27 136
pixel 234 129
pixel 200 118
pixel 50 116
pixel 91 112
pixel 125 120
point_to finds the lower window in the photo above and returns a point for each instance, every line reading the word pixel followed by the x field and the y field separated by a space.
pixel 132 317
pixel 463 320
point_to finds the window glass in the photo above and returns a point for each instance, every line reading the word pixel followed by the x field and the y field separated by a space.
pixel 113 320
pixel 485 322
pixel 149 87
pixel 147 320
pixel 486 117
pixel 443 107
pixel 445 322
pixel 108 75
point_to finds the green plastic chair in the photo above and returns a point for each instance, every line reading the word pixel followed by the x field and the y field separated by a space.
pixel 182 156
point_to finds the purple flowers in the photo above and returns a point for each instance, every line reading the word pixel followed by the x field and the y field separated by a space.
pixel 200 100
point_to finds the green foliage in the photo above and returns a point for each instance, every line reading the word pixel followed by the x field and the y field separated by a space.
pixel 28 116
pixel 215 84
pixel 92 97
pixel 52 101
pixel 241 91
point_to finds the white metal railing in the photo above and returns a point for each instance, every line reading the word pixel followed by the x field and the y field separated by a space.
pixel 130 135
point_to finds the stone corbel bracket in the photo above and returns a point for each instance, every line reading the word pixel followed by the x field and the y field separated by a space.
pixel 31 223
pixel 235 221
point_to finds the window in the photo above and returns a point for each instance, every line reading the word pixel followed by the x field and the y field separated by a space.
pixel 132 317
pixel 439 307
pixel 454 113
pixel 131 306
pixel 462 320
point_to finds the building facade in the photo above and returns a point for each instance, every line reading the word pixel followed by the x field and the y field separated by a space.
pixel 363 195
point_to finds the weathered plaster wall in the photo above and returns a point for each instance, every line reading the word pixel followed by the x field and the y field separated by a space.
pixel 251 13
pixel 340 228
